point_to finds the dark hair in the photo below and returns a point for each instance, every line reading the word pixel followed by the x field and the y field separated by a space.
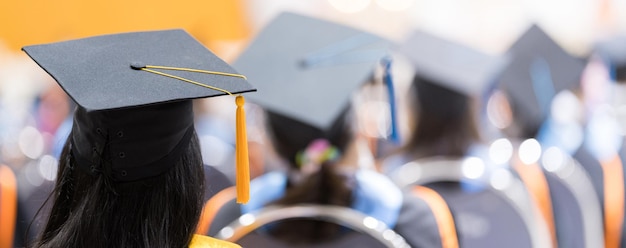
pixel 327 186
pixel 620 74
pixel 94 211
pixel 525 124
pixel 445 122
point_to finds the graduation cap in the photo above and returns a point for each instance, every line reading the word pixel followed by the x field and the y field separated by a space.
pixel 539 69
pixel 307 68
pixel 451 69
pixel 451 65
pixel 613 51
pixel 134 93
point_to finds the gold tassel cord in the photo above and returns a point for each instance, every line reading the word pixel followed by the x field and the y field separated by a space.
pixel 241 145
pixel 241 150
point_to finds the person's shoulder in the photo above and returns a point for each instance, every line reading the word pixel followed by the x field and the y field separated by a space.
pixel 201 241
pixel 418 224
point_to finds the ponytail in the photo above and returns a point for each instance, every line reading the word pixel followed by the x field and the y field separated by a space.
pixel 318 181
pixel 327 186
pixel 315 177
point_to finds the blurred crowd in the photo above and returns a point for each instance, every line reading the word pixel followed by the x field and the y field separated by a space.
pixel 478 106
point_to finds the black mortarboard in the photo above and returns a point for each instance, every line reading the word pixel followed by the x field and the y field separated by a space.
pixel 451 65
pixel 613 51
pixel 307 68
pixel 539 69
pixel 132 111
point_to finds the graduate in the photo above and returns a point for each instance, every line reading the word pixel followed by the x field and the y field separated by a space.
pixel 604 92
pixel 131 173
pixel 547 141
pixel 446 154
pixel 308 69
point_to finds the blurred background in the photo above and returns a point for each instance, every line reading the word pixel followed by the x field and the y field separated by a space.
pixel 34 111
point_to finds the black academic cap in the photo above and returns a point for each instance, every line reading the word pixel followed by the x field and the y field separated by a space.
pixel 539 69
pixel 613 51
pixel 131 112
pixel 452 65
pixel 307 68
pixel 96 72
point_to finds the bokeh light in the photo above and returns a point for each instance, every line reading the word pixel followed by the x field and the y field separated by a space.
pixel 473 167
pixel 31 142
pixel 530 151
pixel 500 151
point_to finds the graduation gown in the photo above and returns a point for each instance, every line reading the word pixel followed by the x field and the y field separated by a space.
pixel 375 196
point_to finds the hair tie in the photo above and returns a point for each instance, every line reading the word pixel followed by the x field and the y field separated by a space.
pixel 318 152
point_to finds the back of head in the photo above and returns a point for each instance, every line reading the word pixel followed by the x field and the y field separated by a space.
pixel 326 184
pixel 290 136
pixel 539 69
pixel 131 174
pixel 93 209
pixel 307 69
pixel 445 123
pixel 448 77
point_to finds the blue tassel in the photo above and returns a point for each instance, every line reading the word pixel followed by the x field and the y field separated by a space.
pixel 542 84
pixel 388 80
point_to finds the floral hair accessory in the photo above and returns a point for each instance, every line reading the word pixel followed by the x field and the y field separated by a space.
pixel 318 152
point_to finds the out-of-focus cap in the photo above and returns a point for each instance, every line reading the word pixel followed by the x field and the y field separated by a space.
pixel 306 68
pixel 452 65
pixel 539 69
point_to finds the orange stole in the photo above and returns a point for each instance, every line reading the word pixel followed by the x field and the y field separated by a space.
pixel 445 222
pixel 613 201
pixel 533 178
pixel 8 206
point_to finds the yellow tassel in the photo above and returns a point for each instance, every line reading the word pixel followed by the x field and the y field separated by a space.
pixel 241 150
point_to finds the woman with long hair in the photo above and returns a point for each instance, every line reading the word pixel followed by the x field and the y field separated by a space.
pixel 446 123
pixel 306 94
pixel 131 172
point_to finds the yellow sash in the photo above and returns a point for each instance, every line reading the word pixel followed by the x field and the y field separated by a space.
pixel 200 241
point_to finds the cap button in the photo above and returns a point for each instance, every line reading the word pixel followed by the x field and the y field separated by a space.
pixel 137 65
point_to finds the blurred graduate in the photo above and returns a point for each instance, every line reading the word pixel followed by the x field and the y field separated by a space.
pixel 308 70
pixel 537 113
pixel 446 153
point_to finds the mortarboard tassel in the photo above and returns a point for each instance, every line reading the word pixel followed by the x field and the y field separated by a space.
pixel 394 135
pixel 241 142
pixel 241 151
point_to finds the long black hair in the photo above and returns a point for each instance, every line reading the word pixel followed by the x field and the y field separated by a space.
pixel 327 186
pixel 444 121
pixel 94 211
